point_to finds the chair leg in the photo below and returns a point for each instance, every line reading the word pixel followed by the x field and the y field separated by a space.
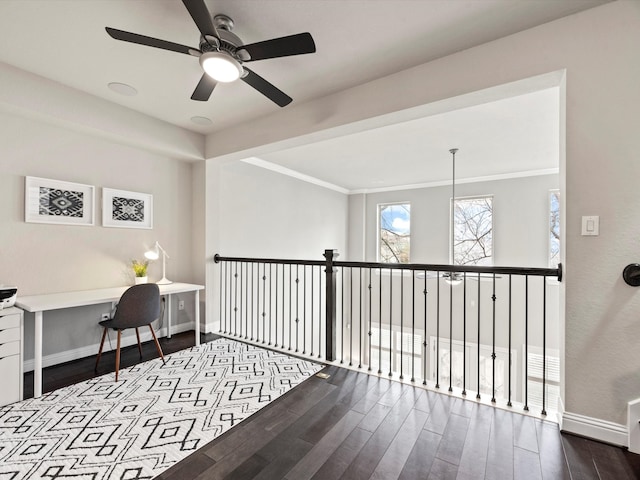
pixel 118 354
pixel 139 346
pixel 157 344
pixel 104 334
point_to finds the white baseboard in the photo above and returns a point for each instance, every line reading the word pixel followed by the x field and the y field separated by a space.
pixel 595 428
pixel 89 350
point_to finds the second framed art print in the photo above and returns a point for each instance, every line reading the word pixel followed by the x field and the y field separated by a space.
pixel 124 209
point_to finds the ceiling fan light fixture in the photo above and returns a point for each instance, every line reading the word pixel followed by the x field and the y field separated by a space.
pixel 221 66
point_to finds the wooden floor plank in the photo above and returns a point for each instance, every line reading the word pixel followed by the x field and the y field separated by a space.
pixel 453 439
pixel 279 466
pixel 392 462
pixel 319 454
pixel 473 461
pixel 552 459
pixel 527 464
pixel 365 463
pixel 358 426
pixel 500 451
pixel 342 457
pixel 578 455
pixel 421 458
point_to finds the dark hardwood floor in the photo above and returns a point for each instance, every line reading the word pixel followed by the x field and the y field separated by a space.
pixel 354 426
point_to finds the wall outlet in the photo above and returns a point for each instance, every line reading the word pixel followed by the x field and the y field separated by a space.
pixel 105 316
pixel 181 305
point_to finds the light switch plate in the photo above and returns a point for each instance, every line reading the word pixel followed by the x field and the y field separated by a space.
pixel 590 225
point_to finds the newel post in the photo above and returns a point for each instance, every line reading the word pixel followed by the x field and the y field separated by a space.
pixel 330 298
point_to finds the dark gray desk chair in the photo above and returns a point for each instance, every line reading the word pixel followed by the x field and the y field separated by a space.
pixel 138 306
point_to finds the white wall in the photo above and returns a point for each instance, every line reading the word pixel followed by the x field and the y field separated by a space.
pixel 266 214
pixel 254 212
pixel 597 50
pixel 45 258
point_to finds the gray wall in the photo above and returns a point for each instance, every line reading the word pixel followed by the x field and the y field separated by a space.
pixel 44 258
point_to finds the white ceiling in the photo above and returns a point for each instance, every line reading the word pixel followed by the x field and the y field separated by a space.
pixel 357 41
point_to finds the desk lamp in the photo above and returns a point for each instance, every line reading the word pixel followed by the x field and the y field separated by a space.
pixel 154 254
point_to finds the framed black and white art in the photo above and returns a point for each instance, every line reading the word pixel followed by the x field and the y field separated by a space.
pixel 55 201
pixel 126 209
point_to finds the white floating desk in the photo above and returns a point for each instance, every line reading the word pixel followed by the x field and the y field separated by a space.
pixel 55 301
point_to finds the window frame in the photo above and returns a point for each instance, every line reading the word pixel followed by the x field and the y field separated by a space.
pixel 379 206
pixel 452 227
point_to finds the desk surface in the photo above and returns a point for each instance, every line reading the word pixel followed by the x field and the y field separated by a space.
pixel 80 298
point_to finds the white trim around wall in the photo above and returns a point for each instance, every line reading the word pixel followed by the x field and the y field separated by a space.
pixel 92 350
pixel 594 428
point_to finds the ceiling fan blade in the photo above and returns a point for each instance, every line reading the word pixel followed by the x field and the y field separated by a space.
pixel 267 89
pixel 281 47
pixel 150 41
pixel 204 88
pixel 201 16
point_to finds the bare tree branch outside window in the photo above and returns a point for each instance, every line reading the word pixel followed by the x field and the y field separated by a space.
pixel 395 232
pixel 473 231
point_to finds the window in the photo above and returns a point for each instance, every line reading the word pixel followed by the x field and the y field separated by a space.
pixel 473 231
pixel 554 228
pixel 394 222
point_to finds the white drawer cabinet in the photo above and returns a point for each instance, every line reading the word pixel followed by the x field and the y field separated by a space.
pixel 11 355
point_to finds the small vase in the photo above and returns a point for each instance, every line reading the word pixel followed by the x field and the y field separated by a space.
pixel 140 280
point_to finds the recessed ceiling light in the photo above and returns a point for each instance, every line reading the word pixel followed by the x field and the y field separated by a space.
pixel 123 89
pixel 201 120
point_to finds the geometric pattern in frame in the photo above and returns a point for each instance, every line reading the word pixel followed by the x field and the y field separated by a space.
pixel 127 209
pixel 60 203
pixel 154 416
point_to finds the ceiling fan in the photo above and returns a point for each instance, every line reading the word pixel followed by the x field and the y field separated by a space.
pixel 222 53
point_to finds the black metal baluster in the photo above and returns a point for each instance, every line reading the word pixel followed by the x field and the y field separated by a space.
pixel 290 303
pixel 275 335
pixel 238 312
pixel 270 322
pixel 526 343
pixel 297 305
pixel 451 277
pixel 438 332
pixel 350 316
pixel 390 322
pixel 235 299
pixel 380 325
pixel 304 309
pixel 320 312
pixel 493 347
pixel 283 305
pixel 226 295
pixel 311 353
pixel 424 342
pixel 544 345
pixel 220 301
pixel 413 325
pixel 479 297
pixel 342 330
pixel 401 322
pixel 510 360
pixel 370 313
pixel 464 333
pixel 264 302
pixel 360 329
pixel 253 303
pixel 246 300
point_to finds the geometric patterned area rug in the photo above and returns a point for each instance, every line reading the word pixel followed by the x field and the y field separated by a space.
pixel 154 416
